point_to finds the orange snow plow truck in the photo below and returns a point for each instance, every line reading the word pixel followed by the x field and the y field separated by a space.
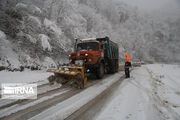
pixel 93 55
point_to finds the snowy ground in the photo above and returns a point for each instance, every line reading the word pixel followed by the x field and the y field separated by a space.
pixel 67 107
pixel 27 76
pixel 152 93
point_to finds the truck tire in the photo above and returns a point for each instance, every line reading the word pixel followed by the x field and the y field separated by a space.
pixel 100 71
pixel 113 67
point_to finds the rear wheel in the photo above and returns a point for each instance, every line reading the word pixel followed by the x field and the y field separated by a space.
pixel 100 71
pixel 112 67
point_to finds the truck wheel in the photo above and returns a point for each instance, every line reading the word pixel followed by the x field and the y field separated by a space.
pixel 112 67
pixel 100 71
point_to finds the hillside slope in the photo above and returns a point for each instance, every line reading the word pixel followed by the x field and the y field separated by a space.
pixel 42 32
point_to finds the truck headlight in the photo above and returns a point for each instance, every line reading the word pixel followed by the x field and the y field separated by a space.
pixel 86 54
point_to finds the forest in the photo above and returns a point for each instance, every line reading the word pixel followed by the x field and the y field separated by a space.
pixel 42 32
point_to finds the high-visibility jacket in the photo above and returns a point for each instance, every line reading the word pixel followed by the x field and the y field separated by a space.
pixel 127 57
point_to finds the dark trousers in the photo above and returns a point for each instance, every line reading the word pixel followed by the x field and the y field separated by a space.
pixel 127 73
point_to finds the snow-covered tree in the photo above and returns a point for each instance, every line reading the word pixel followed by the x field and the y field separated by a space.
pixel 43 29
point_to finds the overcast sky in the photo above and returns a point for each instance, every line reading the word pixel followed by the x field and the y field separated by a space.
pixel 152 5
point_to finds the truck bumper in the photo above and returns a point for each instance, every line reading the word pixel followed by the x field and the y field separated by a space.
pixel 91 68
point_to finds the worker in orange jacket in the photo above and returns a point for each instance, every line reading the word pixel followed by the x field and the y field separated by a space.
pixel 127 65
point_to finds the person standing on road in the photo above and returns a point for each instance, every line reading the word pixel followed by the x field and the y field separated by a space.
pixel 127 66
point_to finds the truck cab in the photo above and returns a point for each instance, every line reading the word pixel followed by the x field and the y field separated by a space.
pixel 89 51
pixel 95 53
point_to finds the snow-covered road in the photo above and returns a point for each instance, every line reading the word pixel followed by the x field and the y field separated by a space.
pixel 152 93
pixel 67 107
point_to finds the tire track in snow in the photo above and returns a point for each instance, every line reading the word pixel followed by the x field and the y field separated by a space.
pixel 159 102
pixel 19 107
pixel 41 89
pixel 92 108
pixel 40 106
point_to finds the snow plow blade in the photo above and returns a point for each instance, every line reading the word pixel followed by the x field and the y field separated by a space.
pixel 73 75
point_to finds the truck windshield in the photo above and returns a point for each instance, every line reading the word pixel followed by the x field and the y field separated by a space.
pixel 87 46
